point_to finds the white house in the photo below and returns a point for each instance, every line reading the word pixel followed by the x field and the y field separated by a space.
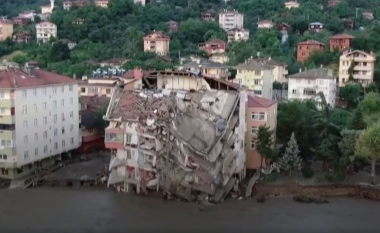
pixel 230 19
pixel 237 34
pixel 265 24
pixel 39 119
pixel 45 30
pixel 306 85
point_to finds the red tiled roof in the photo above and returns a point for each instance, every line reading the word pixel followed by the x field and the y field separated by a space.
pixel 14 78
pixel 259 102
pixel 215 41
pixel 159 33
pixel 342 36
pixel 311 42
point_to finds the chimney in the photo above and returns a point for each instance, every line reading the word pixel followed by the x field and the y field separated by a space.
pixel 30 68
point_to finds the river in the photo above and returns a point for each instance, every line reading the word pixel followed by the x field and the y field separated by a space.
pixel 90 211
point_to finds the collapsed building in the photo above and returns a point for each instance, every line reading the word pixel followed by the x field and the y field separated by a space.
pixel 186 143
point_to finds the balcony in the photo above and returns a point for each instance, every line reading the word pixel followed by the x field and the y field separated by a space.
pixel 7 134
pixel 9 163
pixel 7 120
pixel 7 103
pixel 114 141
pixel 8 150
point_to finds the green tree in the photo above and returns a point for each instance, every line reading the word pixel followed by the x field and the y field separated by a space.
pixel 357 121
pixel 351 93
pixel 368 147
pixel 347 145
pixel 290 160
pixel 264 144
pixel 370 103
pixel 340 117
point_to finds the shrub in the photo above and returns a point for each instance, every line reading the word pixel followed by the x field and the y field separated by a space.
pixel 335 176
pixel 307 172
pixel 269 178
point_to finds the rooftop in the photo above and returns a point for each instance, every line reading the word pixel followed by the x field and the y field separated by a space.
pixel 215 41
pixel 197 118
pixel 18 78
pixel 320 73
pixel 342 36
pixel 259 102
pixel 310 42
pixel 204 63
pixel 253 65
pixel 157 35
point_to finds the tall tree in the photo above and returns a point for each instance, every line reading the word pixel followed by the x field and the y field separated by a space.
pixel 290 160
pixel 370 103
pixel 264 144
pixel 357 121
pixel 347 145
pixel 351 93
pixel 368 146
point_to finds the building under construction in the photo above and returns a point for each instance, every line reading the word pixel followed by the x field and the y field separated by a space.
pixel 187 143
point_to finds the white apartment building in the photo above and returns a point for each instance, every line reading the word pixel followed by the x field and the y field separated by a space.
pixel 39 119
pixel 306 85
pixel 237 34
pixel 45 30
pixel 230 19
pixel 364 69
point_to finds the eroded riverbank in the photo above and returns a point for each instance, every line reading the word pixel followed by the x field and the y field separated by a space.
pixel 95 210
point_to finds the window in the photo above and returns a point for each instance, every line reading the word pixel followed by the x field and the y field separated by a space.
pixel 45 149
pixel 63 88
pixel 254 130
pixel 71 140
pixel 35 122
pixel 2 110
pixel 253 144
pixel 71 101
pixel 257 92
pixel 63 143
pixel 25 124
pixel 108 91
pixel 62 103
pixel 45 134
pixel 55 118
pixel 129 154
pixel 258 116
pixel 94 90
pixel 70 87
pixel 55 132
pixel 62 116
pixel 24 109
pixel 83 90
pixel 71 114
pixel 308 91
pixel 71 128
pixel 55 145
pixel 294 91
pixel 2 94
pixel 36 136
pixel 36 151
pixel 26 155
pixel 24 94
pixel 257 72
pixel 128 137
pixel 257 81
pixel 45 120
pixel 25 139
pixel 54 104
pixel 54 90
pixel 34 92
pixel 44 91
pixel 63 130
pixel 44 105
pixel 35 107
pixel 4 171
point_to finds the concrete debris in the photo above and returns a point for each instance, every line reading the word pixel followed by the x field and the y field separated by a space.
pixel 188 144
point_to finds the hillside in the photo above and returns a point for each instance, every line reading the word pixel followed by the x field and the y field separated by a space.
pixel 117 31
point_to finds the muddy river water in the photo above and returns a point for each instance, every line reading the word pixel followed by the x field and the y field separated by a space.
pixel 81 210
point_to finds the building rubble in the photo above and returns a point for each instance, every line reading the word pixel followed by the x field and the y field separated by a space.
pixel 189 144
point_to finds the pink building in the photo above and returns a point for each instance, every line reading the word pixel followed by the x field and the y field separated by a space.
pixel 259 111
pixel 213 46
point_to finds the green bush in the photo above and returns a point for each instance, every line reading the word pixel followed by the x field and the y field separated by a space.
pixel 335 176
pixel 269 178
pixel 307 172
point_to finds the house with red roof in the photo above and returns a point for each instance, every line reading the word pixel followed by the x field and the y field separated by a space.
pixel 306 48
pixel 340 42
pixel 213 46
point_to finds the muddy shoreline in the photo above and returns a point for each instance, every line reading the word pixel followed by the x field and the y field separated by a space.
pixel 327 190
